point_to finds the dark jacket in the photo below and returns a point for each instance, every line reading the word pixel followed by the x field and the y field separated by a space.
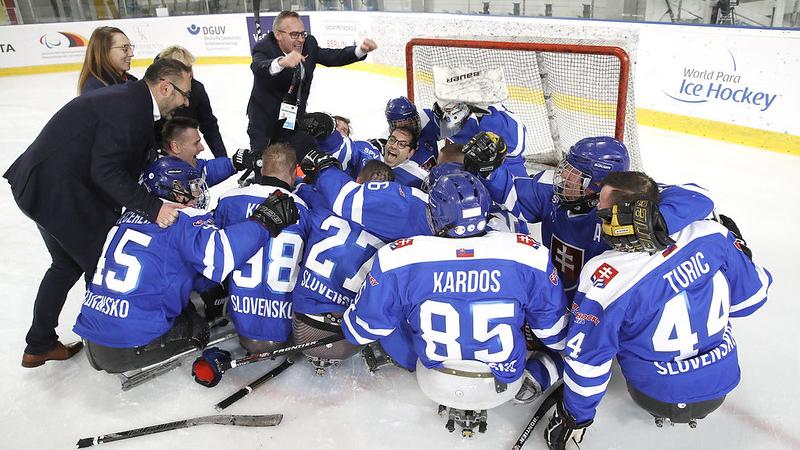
pixel 268 90
pixel 85 165
pixel 200 110
pixel 92 83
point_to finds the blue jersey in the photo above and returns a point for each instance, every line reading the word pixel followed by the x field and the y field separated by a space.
pixel 260 288
pixel 462 299
pixel 505 124
pixel 146 273
pixel 665 318
pixel 574 238
pixel 216 170
pixel 352 155
pixel 409 173
pixel 338 253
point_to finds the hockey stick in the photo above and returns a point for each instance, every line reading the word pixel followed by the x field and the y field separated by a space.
pixel 259 35
pixel 238 395
pixel 150 372
pixel 222 419
pixel 281 351
pixel 548 403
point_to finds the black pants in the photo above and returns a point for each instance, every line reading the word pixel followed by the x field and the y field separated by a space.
pixel 63 273
pixel 301 142
pixel 189 331
pixel 675 412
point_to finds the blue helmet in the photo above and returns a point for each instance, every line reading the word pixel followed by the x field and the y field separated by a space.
pixel 440 171
pixel 174 179
pixel 458 206
pixel 399 110
pixel 586 164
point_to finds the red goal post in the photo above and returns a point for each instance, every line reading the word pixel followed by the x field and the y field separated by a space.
pixel 562 90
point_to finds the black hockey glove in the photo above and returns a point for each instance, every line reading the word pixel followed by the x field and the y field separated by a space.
pixel 208 368
pixel 378 143
pixel 741 244
pixel 315 162
pixel 214 300
pixel 276 212
pixel 635 227
pixel 484 153
pixel 246 159
pixel 317 124
pixel 562 428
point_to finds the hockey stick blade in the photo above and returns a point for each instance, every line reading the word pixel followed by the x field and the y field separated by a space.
pixel 270 420
pixel 238 395
pixel 548 403
pixel 282 351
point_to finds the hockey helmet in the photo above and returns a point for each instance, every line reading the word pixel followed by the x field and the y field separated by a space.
pixel 174 179
pixel 586 164
pixel 450 117
pixel 458 206
pixel 401 112
pixel 440 171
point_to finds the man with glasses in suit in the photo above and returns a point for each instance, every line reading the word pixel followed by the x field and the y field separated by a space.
pixel 283 69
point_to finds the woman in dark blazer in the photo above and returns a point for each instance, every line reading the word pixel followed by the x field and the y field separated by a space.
pixel 107 60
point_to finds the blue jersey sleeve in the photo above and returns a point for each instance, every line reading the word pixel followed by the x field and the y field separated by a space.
pixel 681 205
pixel 748 282
pixel 527 198
pixel 216 170
pixel 213 251
pixel 376 311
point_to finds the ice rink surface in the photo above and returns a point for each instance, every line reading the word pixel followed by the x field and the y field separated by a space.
pixel 51 407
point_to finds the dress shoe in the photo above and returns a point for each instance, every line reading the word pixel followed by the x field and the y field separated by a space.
pixel 58 353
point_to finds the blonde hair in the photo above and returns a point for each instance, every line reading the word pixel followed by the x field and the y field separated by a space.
pixel 179 53
pixel 96 62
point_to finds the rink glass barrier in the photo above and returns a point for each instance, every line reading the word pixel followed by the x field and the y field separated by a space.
pixel 711 81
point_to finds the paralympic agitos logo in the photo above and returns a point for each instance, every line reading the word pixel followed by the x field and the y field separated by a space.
pixel 62 39
pixel 702 85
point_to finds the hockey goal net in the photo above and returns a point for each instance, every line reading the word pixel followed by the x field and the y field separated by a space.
pixel 562 90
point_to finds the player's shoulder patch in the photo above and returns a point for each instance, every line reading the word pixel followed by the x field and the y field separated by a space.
pixel 603 275
pixel 400 243
pixel 203 221
pixel 524 239
pixel 465 252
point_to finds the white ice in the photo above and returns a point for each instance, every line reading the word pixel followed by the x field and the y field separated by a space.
pixel 51 407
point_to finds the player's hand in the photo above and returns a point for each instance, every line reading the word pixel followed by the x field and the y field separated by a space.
pixel 378 143
pixel 291 60
pixel 317 124
pixel 728 223
pixel 246 159
pixel 277 212
pixel 563 428
pixel 368 45
pixel 315 162
pixel 484 153
pixel 208 368
pixel 168 214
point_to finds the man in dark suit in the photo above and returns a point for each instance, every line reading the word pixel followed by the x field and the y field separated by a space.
pixel 77 175
pixel 283 68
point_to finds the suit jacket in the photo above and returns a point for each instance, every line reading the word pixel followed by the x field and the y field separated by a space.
pixel 199 109
pixel 93 83
pixel 85 165
pixel 268 90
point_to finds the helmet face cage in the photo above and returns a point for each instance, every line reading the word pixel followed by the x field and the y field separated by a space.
pixel 401 112
pixel 173 179
pixel 458 206
pixel 570 183
pixel 451 118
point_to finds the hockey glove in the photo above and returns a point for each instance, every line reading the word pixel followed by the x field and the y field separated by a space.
pixel 563 428
pixel 317 124
pixel 246 159
pixel 741 244
pixel 208 368
pixel 276 212
pixel 378 143
pixel 315 162
pixel 634 227
pixel 484 153
pixel 214 300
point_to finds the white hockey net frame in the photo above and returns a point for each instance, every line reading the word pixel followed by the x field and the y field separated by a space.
pixel 563 90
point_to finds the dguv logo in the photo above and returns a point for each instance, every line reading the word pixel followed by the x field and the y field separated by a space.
pixel 193 29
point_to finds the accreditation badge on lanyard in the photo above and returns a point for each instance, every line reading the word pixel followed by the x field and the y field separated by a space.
pixel 289 111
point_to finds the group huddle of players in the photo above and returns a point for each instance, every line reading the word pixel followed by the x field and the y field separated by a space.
pixel 423 253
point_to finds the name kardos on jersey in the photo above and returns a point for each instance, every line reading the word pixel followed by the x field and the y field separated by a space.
pixel 466 281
